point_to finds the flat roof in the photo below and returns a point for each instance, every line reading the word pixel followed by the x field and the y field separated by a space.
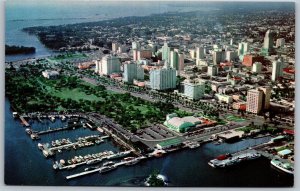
pixel 170 142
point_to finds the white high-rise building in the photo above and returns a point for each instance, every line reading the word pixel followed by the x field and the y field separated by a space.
pixel 132 71
pixel 280 42
pixel 193 89
pixel 231 55
pixel 162 79
pixel 136 45
pixel 243 48
pixel 277 69
pixel 218 56
pixel 268 47
pixel 200 52
pixel 212 70
pixel 166 52
pixel 109 64
pixel 115 46
pixel 193 53
pixel 174 60
pixel 257 66
pixel 254 101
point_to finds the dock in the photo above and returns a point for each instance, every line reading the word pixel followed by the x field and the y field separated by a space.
pixel 24 122
pixel 97 170
pixel 98 159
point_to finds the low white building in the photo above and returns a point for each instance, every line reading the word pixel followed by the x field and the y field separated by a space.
pixel 50 74
pixel 194 89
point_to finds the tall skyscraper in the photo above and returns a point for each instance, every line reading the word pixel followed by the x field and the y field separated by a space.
pixel 181 62
pixel 277 69
pixel 266 97
pixel 174 60
pixel 268 47
pixel 200 52
pixel 162 79
pixel 132 71
pixel 280 42
pixel 109 64
pixel 243 48
pixel 254 101
pixel 231 55
pixel 218 57
pixel 166 52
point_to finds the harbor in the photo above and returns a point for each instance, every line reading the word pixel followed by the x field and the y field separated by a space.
pixel 80 170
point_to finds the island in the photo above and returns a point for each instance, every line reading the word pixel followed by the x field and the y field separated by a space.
pixel 9 50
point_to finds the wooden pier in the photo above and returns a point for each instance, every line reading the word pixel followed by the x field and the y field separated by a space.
pixel 24 122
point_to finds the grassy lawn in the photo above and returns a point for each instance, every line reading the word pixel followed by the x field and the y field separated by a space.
pixel 234 118
pixel 75 94
pixel 68 56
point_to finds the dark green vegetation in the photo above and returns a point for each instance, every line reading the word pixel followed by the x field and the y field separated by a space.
pixel 154 181
pixel 18 50
pixel 28 91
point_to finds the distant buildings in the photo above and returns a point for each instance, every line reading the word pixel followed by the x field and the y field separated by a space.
pixel 277 69
pixel 162 79
pixel 193 89
pixel 109 64
pixel 132 71
pixel 50 74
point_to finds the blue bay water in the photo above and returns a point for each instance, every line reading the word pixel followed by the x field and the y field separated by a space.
pixel 25 164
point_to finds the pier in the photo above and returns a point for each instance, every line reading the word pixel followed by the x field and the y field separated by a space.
pixel 98 169
pixel 24 122
pixel 98 159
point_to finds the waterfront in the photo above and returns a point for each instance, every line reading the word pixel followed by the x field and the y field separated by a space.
pixel 22 157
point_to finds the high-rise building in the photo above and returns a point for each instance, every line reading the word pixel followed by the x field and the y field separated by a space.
pixel 254 101
pixel 132 71
pixel 135 54
pixel 212 70
pixel 200 52
pixel 218 56
pixel 257 67
pixel 109 64
pixel 115 46
pixel 268 47
pixel 266 97
pixel 277 69
pixel 231 55
pixel 243 48
pixel 174 60
pixel 136 45
pixel 162 79
pixel 192 53
pixel 193 89
pixel 166 52
pixel 181 62
pixel 280 42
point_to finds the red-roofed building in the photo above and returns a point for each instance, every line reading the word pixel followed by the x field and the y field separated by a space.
pixel 250 59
